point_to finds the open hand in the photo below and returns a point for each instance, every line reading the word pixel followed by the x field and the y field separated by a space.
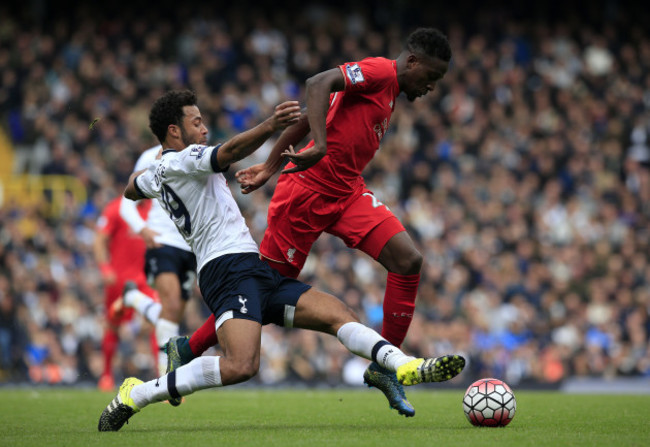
pixel 252 178
pixel 285 115
pixel 148 235
pixel 303 160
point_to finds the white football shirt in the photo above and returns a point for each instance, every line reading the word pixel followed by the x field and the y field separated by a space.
pixel 157 219
pixel 192 189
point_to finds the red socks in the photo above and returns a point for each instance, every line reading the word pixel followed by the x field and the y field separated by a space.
pixel 399 304
pixel 204 337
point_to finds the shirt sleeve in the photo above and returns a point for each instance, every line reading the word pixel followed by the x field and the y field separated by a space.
pixel 368 75
pixel 129 213
pixel 148 183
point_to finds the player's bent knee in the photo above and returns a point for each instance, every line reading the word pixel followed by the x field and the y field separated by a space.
pixel 244 375
pixel 172 304
pixel 175 308
pixel 408 264
pixel 416 262
pixel 241 371
pixel 400 255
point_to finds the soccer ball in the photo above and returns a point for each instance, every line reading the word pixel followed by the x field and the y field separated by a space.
pixel 489 403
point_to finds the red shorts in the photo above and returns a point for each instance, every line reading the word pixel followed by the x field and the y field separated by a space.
pixel 114 291
pixel 297 216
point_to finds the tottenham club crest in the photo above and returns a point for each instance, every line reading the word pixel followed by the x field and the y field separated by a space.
pixel 243 300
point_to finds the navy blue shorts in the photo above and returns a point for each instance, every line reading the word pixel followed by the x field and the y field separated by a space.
pixel 167 259
pixel 243 286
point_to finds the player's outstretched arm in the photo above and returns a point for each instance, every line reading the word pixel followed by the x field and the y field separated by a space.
pixel 318 92
pixel 254 177
pixel 242 145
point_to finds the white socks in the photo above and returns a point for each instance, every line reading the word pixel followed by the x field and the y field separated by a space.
pixel 165 330
pixel 143 304
pixel 366 343
pixel 200 373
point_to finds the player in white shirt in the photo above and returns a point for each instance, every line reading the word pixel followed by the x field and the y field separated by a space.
pixel 241 290
pixel 170 266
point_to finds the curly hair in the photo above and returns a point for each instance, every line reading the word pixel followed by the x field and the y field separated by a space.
pixel 431 42
pixel 168 109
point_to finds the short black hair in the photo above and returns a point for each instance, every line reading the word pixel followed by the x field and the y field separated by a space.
pixel 168 109
pixel 431 42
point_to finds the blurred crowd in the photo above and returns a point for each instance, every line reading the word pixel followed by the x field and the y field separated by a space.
pixel 523 179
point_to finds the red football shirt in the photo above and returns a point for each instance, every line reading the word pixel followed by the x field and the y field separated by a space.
pixel 356 121
pixel 126 249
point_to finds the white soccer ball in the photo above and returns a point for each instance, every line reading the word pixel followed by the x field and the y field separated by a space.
pixel 489 403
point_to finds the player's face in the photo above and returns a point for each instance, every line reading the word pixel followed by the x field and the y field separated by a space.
pixel 421 75
pixel 193 131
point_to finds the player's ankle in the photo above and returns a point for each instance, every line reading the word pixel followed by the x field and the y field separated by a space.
pixel 185 351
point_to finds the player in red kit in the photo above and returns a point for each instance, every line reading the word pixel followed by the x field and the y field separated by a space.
pixel 119 253
pixel 348 112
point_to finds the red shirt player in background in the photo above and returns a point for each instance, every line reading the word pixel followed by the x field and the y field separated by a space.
pixel 119 253
pixel 348 112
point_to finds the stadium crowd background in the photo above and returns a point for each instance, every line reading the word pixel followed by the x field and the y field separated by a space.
pixel 523 178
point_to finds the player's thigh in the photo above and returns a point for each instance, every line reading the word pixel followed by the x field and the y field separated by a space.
pixel 362 216
pixel 296 218
pixel 320 311
pixel 240 339
pixel 168 287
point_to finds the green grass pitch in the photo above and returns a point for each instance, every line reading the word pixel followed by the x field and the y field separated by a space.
pixel 339 417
